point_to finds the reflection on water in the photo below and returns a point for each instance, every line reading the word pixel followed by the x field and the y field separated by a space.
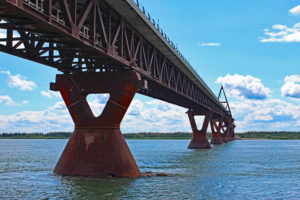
pixel 237 170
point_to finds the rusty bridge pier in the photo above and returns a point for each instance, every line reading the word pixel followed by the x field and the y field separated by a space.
pixel 231 134
pixel 97 147
pixel 216 125
pixel 199 139
pixel 224 131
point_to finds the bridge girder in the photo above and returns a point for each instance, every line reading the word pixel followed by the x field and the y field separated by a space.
pixel 89 36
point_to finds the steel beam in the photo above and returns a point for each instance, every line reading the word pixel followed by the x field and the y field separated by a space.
pixel 91 36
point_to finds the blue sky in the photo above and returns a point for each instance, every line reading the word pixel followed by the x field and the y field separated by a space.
pixel 251 47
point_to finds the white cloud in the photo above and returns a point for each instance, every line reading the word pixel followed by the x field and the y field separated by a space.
pixel 50 94
pixel 18 81
pixel 263 118
pixel 59 106
pixel 282 33
pixel 36 121
pixel 8 100
pixel 291 88
pixel 295 10
pixel 155 116
pixel 25 102
pixel 209 44
pixel 268 115
pixel 244 87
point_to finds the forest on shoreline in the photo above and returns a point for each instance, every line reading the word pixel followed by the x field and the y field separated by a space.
pixel 283 135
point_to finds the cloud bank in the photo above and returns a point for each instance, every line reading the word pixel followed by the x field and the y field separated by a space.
pixel 19 81
pixel 10 102
pixel 7 100
pixel 295 10
pixel 50 94
pixel 251 103
pixel 254 109
pixel 291 88
pixel 244 87
pixel 271 114
pixel 283 33
pixel 149 116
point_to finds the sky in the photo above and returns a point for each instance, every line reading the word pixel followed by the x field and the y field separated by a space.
pixel 249 47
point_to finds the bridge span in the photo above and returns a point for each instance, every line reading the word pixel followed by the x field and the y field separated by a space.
pixel 108 46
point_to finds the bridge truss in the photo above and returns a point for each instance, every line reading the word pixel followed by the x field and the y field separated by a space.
pixel 98 48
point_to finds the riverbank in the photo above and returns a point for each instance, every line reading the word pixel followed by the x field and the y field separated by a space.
pixel 283 135
pixel 160 136
pixel 130 136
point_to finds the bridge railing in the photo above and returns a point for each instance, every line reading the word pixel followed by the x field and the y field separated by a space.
pixel 36 4
pixel 147 14
pixel 57 16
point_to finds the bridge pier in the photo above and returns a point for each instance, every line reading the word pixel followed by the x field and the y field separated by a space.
pixel 224 138
pixel 228 132
pixel 216 125
pixel 97 146
pixel 225 131
pixel 199 139
pixel 231 132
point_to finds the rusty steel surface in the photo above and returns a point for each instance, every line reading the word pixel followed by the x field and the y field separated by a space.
pixel 199 139
pixel 97 147
pixel 216 125
pixel 222 130
pixel 90 36
pixel 97 152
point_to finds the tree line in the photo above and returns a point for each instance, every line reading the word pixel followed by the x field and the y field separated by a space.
pixel 157 135
pixel 282 135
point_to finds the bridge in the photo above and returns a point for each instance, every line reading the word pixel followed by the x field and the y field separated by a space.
pixel 114 47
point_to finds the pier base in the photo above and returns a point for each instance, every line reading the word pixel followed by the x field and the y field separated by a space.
pixel 97 152
pixel 224 139
pixel 199 142
pixel 216 140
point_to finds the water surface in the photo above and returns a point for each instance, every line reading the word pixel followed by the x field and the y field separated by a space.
pixel 253 169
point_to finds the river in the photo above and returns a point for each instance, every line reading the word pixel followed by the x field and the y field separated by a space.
pixel 242 169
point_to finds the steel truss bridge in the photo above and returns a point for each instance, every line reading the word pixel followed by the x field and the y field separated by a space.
pixel 108 46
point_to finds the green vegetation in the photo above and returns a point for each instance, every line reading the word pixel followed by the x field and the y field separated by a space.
pixel 283 135
pixel 156 136
pixel 56 135
pixel 66 135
